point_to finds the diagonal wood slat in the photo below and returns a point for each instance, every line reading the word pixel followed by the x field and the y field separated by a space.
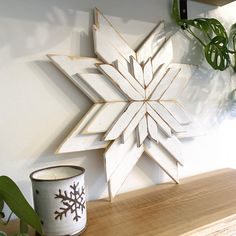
pixel 120 82
pixel 151 44
pixel 100 123
pixel 123 121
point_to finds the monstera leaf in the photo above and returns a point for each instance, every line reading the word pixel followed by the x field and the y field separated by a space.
pixel 217 54
pixel 12 196
pixel 209 26
pixel 217 28
pixel 199 23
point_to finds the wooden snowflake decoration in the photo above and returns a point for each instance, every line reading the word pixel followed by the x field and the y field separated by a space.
pixel 134 109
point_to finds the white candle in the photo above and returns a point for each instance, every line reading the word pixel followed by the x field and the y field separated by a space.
pixel 59 199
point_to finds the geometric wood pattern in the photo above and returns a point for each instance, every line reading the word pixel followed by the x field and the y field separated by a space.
pixel 134 107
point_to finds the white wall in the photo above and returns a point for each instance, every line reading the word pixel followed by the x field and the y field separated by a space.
pixel 39 106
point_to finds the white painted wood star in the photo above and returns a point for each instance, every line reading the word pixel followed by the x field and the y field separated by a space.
pixel 134 109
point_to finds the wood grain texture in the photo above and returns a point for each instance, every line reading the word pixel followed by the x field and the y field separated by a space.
pixel 215 2
pixel 203 205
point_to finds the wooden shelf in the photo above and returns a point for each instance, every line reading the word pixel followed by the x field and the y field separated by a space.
pixel 201 205
pixel 215 2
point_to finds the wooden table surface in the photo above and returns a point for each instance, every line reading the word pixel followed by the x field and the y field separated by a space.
pixel 200 205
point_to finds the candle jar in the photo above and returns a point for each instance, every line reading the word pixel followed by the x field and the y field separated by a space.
pixel 59 199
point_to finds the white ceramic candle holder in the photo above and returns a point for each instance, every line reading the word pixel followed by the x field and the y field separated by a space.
pixel 59 199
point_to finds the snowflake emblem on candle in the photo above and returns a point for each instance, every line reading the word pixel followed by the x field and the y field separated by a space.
pixel 73 202
pixel 135 107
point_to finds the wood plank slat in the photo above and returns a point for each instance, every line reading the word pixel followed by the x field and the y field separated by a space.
pixel 172 145
pixel 168 118
pixel 163 56
pixel 151 44
pixel 108 42
pixel 137 70
pixel 177 111
pixel 130 78
pixel 147 72
pixel 101 122
pixel 180 82
pixel 165 83
pixel 103 87
pixel 103 49
pixel 123 121
pixel 160 122
pixel 134 123
pixel 116 152
pixel 86 89
pixel 142 131
pixel 71 66
pixel 152 128
pixel 121 173
pixel 163 159
pixel 79 142
pixel 120 82
pixel 162 70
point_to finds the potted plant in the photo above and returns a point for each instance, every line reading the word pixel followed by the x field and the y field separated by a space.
pixel 218 46
pixel 11 195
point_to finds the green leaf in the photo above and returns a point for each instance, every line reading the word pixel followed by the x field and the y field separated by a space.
pixel 23 227
pixel 199 23
pixel 13 197
pixel 217 28
pixel 209 26
pixel 3 233
pixel 216 53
